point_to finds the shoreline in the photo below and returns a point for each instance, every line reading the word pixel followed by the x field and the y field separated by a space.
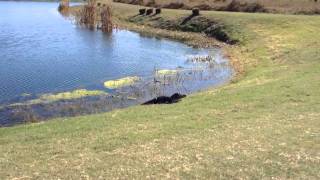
pixel 193 39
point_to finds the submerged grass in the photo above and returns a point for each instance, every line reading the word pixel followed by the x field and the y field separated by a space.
pixel 265 124
pixel 79 93
pixel 75 94
pixel 126 81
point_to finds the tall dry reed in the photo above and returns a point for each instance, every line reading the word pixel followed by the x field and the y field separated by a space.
pixel 87 15
pixel 106 19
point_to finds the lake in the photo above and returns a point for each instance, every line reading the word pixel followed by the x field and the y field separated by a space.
pixel 43 52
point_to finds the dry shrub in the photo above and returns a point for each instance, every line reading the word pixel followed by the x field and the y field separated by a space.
pixel 87 15
pixel 106 19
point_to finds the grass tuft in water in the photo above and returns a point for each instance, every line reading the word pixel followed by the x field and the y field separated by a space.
pixel 127 81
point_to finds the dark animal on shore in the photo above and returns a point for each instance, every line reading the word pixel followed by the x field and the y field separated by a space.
pixel 87 15
pixel 64 6
pixel 142 11
pixel 195 12
pixel 158 10
pixel 237 6
pixel 149 11
pixel 165 99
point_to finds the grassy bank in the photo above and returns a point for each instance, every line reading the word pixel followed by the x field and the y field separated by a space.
pixel 265 124
pixel 271 6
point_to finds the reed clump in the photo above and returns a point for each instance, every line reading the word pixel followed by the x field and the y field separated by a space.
pixel 106 19
pixel 87 15
pixel 95 15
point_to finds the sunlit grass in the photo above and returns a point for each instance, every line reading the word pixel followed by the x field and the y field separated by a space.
pixel 264 125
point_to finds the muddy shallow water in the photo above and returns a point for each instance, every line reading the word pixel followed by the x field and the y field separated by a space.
pixel 43 53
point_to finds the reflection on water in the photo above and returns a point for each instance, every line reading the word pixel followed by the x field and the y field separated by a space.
pixel 41 52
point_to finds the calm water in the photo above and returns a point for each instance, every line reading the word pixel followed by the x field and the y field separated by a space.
pixel 42 52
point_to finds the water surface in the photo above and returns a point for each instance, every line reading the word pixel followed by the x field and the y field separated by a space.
pixel 42 52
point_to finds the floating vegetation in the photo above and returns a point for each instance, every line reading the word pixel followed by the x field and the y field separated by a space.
pixel 201 59
pixel 127 81
pixel 76 94
pixel 25 94
pixel 79 93
pixel 164 72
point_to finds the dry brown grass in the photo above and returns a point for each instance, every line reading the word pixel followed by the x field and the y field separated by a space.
pixel 106 19
pixel 273 6
pixel 87 15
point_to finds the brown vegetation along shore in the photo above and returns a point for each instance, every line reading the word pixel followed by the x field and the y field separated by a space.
pixel 272 6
